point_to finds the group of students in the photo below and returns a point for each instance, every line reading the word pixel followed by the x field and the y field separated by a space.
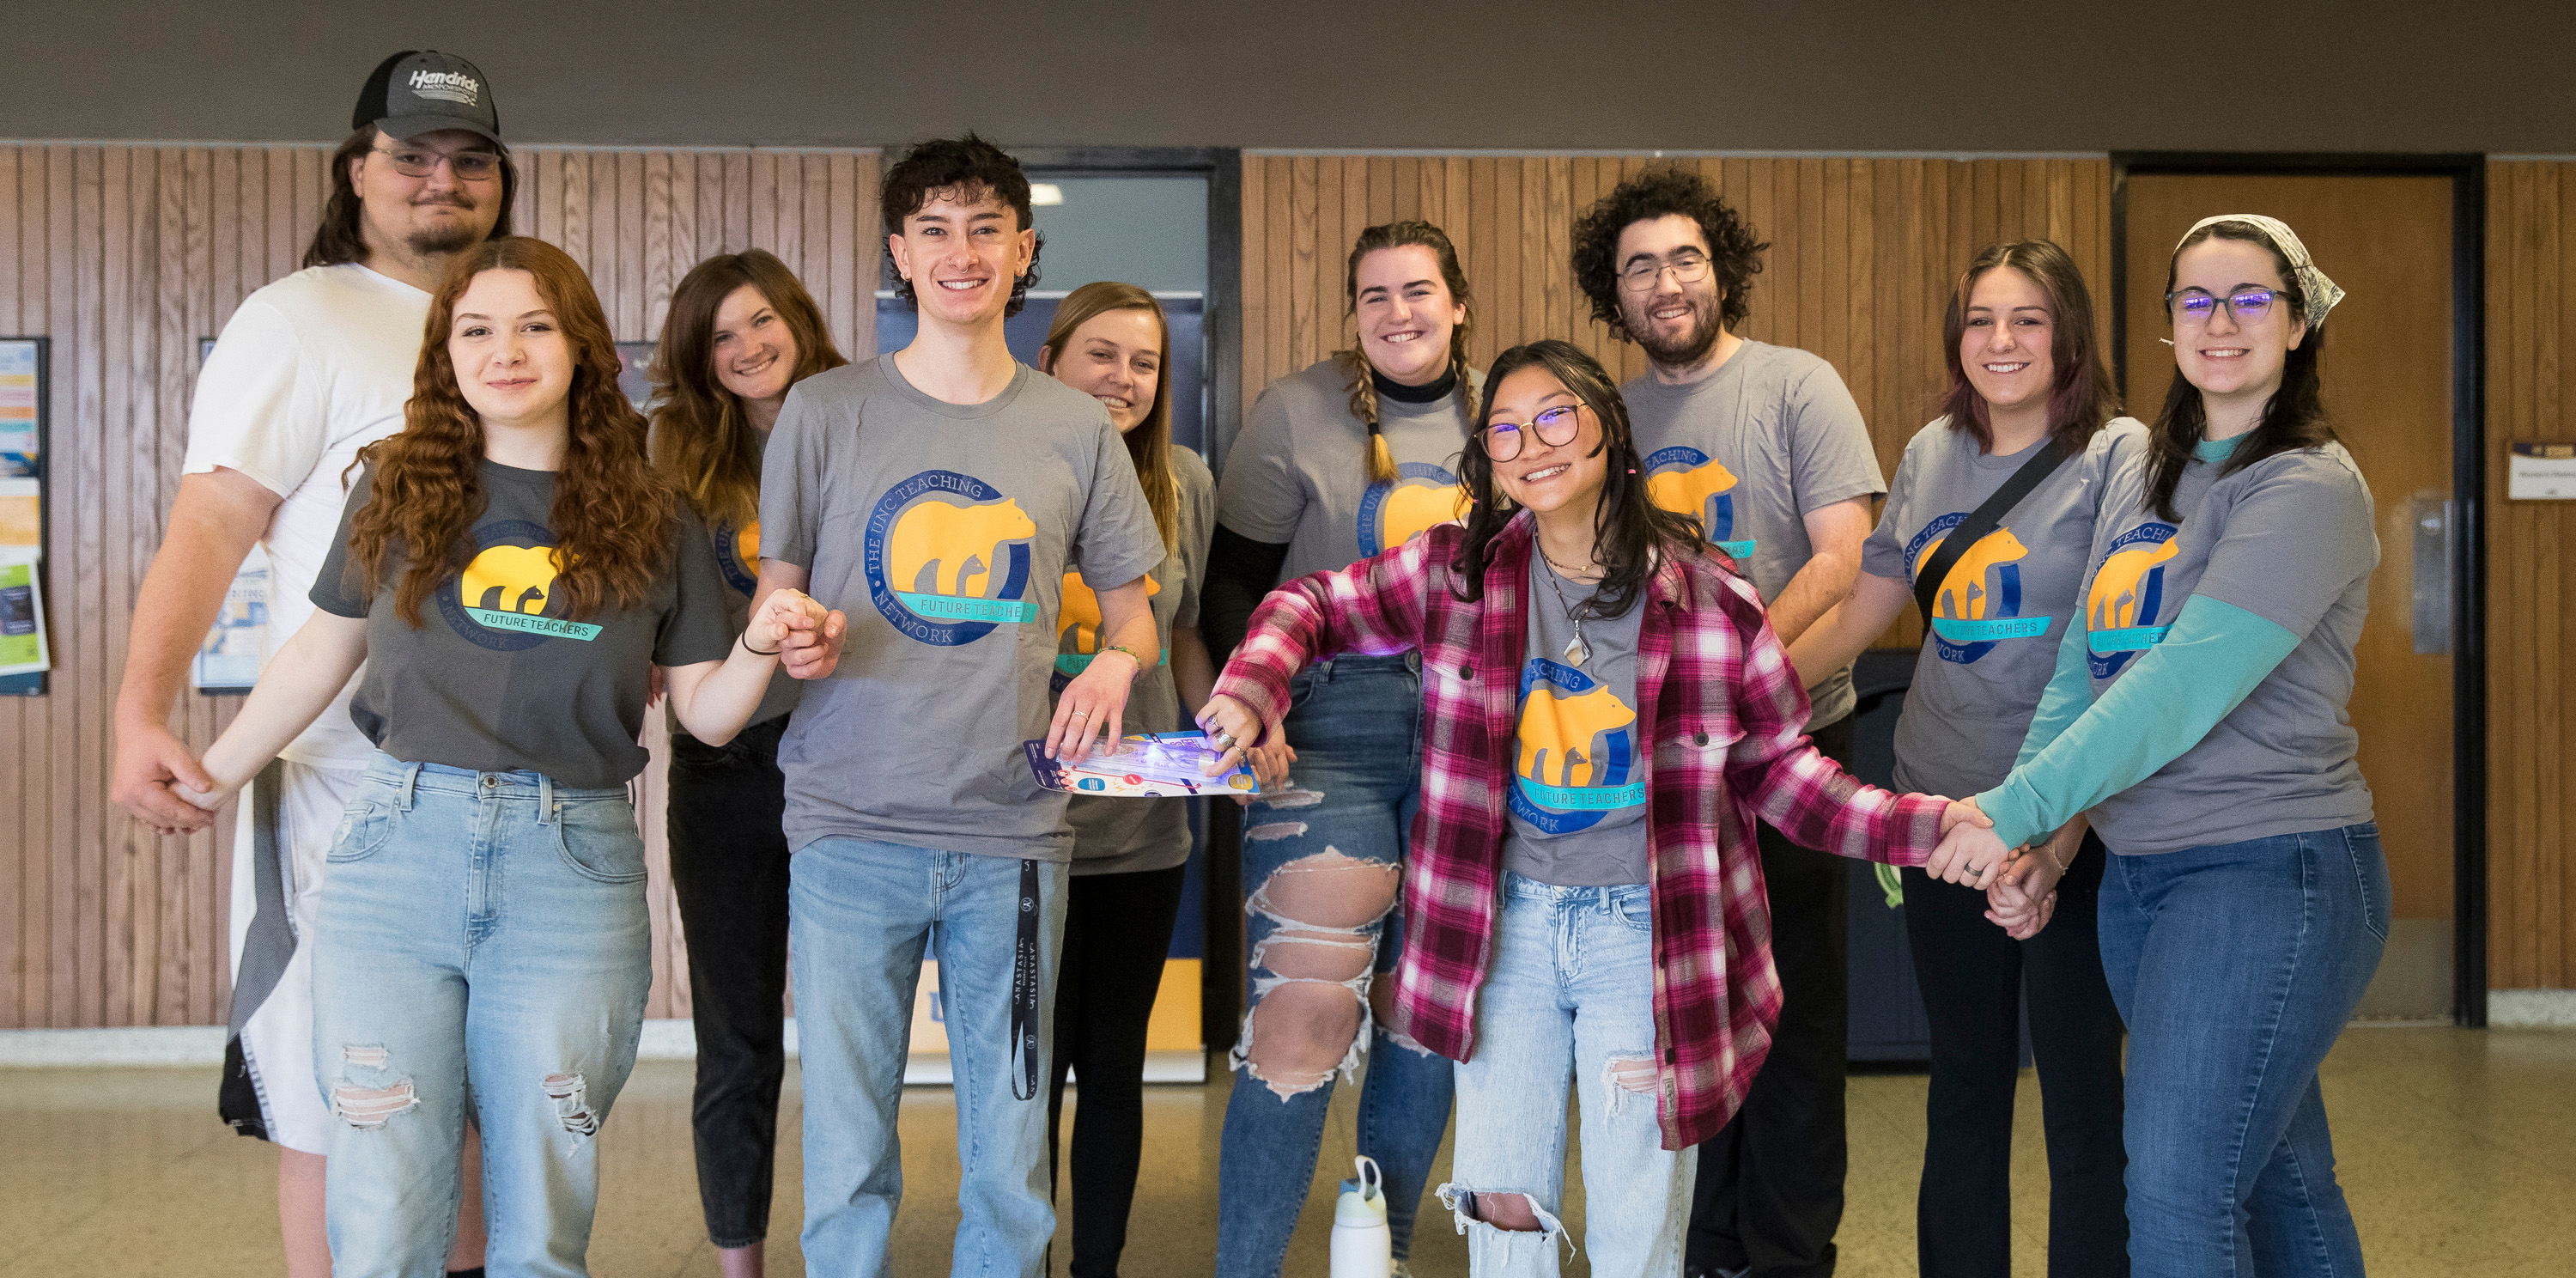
pixel 1545 681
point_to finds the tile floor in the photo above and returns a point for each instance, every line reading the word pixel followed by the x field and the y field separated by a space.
pixel 2458 1149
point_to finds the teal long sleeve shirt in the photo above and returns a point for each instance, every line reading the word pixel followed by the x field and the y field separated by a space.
pixel 2080 751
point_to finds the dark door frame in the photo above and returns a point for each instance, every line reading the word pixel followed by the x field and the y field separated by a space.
pixel 1221 995
pixel 2468 489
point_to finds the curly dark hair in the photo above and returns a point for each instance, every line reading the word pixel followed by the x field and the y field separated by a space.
pixel 1658 192
pixel 964 168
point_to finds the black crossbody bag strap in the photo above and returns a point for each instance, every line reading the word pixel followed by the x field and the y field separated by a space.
pixel 1982 520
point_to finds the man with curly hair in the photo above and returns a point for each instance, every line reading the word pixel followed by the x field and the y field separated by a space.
pixel 939 495
pixel 1766 447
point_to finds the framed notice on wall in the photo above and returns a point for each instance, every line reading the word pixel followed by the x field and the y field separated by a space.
pixel 25 654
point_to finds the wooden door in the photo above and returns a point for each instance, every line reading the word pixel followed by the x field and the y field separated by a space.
pixel 2388 371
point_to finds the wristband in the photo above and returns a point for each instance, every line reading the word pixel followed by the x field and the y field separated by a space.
pixel 1131 656
pixel 745 639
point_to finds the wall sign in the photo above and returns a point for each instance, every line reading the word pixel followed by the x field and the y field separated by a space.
pixel 2541 472
pixel 25 655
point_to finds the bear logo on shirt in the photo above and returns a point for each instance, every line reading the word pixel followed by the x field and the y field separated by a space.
pixel 1077 623
pixel 1686 481
pixel 505 600
pixel 1578 750
pixel 947 558
pixel 738 555
pixel 1979 604
pixel 2127 596
pixel 1422 495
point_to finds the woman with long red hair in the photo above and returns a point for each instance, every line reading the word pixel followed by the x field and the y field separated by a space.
pixel 516 568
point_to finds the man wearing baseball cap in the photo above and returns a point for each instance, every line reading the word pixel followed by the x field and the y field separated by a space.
pixel 309 370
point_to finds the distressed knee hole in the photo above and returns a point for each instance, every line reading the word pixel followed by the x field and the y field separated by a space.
pixel 1309 954
pixel 1270 830
pixel 368 1108
pixel 1287 799
pixel 1633 1074
pixel 1300 1034
pixel 1505 1211
pixel 1328 890
pixel 571 1096
pixel 368 1057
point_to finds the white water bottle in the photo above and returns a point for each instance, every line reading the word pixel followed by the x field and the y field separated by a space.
pixel 1362 1247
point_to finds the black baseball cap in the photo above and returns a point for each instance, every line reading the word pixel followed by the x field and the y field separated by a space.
pixel 421 91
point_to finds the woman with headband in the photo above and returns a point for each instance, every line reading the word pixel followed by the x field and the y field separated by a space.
pixel 2198 713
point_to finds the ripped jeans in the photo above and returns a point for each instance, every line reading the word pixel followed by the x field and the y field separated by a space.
pixel 1319 867
pixel 1571 994
pixel 482 938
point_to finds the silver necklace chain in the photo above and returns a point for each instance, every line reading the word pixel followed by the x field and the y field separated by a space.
pixel 1576 650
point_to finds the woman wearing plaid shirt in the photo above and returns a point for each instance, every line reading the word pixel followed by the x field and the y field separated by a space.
pixel 1605 713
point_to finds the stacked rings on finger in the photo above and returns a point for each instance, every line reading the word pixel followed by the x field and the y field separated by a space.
pixel 1224 740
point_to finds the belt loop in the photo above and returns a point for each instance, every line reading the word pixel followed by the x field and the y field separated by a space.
pixel 1323 670
pixel 410 778
pixel 546 808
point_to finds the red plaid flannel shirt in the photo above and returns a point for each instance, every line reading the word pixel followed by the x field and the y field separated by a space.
pixel 1729 745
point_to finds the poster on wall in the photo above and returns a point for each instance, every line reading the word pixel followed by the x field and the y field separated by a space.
pixel 227 663
pixel 24 655
pixel 635 372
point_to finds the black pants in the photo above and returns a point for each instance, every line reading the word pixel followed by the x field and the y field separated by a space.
pixel 729 871
pixel 1770 1188
pixel 1117 929
pixel 1974 979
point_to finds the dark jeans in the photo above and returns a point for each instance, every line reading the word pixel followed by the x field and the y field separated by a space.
pixel 1974 980
pixel 1117 930
pixel 1770 1190
pixel 729 871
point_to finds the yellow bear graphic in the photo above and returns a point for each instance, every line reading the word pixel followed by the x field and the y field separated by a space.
pixel 1558 729
pixel 1080 612
pixel 1688 492
pixel 2113 604
pixel 746 545
pixel 1963 592
pixel 1410 508
pixel 510 579
pixel 962 541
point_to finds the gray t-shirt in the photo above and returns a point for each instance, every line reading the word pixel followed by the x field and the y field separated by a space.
pixel 2004 605
pixel 1752 449
pixel 1119 836
pixel 1299 471
pixel 2290 539
pixel 498 677
pixel 943 530
pixel 1578 803
pixel 738 559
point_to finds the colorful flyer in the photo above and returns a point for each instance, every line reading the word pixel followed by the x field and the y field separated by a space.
pixel 228 661
pixel 1161 765
pixel 22 615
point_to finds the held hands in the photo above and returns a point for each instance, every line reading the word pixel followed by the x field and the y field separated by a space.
pixel 806 635
pixel 1969 850
pixel 1093 708
pixel 151 766
pixel 2024 896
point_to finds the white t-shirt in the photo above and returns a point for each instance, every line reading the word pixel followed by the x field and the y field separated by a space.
pixel 311 369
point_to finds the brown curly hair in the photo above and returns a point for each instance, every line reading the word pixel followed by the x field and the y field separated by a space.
pixel 613 511
pixel 1734 254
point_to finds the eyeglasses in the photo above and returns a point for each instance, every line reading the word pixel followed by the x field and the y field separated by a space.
pixel 2192 307
pixel 1687 268
pixel 1555 427
pixel 468 166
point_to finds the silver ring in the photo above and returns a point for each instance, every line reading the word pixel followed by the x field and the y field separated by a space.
pixel 1224 741
pixel 1082 714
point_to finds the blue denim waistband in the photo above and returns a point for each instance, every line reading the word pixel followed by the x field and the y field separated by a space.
pixel 1531 889
pixel 439 778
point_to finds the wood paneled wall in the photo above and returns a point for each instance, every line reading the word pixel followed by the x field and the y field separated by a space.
pixel 1862 259
pixel 125 256
pixel 2531 581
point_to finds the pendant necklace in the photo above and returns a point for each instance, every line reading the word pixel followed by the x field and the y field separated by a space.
pixel 1576 651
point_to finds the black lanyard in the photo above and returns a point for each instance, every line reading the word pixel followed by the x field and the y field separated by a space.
pixel 1024 989
pixel 1973 529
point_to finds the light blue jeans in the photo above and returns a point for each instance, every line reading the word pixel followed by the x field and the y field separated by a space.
pixel 2236 966
pixel 861 915
pixel 482 939
pixel 1571 997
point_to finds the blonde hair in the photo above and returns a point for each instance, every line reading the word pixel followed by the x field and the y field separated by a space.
pixel 1149 444
pixel 1387 235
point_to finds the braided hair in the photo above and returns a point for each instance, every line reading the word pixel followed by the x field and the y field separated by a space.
pixel 1381 461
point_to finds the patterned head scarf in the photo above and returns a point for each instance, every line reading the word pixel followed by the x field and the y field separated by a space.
pixel 2318 293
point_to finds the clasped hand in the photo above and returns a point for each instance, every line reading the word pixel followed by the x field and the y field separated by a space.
pixel 2019 882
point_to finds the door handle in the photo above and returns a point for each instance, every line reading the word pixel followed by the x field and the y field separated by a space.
pixel 2432 517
